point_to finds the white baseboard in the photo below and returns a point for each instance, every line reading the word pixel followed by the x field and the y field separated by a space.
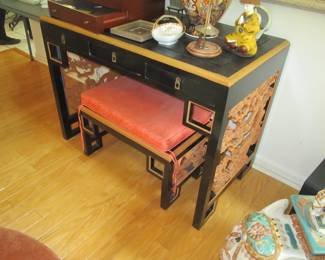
pixel 277 172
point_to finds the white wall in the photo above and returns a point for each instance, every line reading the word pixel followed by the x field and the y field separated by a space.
pixel 293 143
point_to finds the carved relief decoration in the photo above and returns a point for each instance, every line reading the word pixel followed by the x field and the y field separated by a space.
pixel 245 122
pixel 81 75
pixel 191 161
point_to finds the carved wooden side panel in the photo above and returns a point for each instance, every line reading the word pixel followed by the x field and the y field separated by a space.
pixel 81 75
pixel 191 161
pixel 245 122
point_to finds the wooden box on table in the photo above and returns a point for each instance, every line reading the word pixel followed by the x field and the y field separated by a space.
pixel 97 16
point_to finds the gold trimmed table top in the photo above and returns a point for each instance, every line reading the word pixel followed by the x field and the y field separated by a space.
pixel 238 67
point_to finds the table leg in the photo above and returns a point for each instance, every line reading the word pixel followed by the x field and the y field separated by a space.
pixel 206 200
pixel 28 37
pixel 66 120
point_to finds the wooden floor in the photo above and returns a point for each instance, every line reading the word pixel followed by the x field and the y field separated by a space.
pixel 104 206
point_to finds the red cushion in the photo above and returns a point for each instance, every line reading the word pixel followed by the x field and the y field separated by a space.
pixel 149 114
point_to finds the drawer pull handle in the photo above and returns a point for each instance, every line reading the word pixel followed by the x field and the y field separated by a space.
pixel 86 22
pixel 114 58
pixel 54 10
pixel 177 84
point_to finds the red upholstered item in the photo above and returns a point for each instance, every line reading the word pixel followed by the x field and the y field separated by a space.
pixel 17 246
pixel 147 113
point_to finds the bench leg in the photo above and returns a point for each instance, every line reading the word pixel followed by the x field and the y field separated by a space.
pixel 154 167
pixel 168 197
pixel 92 137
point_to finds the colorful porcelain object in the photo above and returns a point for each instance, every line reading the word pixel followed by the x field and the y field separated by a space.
pixel 310 218
pixel 268 234
pixel 249 27
pixel 318 212
pixel 319 204
pixel 197 11
pixel 167 33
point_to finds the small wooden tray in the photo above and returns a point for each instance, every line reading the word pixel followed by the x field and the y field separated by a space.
pixel 139 30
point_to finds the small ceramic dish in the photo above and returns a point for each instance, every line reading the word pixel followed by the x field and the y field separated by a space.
pixel 167 33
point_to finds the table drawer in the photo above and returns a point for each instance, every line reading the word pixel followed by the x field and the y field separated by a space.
pixel 116 58
pixel 127 62
pixel 165 77
pixel 184 85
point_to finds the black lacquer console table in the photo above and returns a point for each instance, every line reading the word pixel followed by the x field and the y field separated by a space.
pixel 237 90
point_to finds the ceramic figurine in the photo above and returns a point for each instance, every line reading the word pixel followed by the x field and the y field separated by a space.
pixel 317 212
pixel 310 215
pixel 247 31
pixel 319 203
pixel 268 234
